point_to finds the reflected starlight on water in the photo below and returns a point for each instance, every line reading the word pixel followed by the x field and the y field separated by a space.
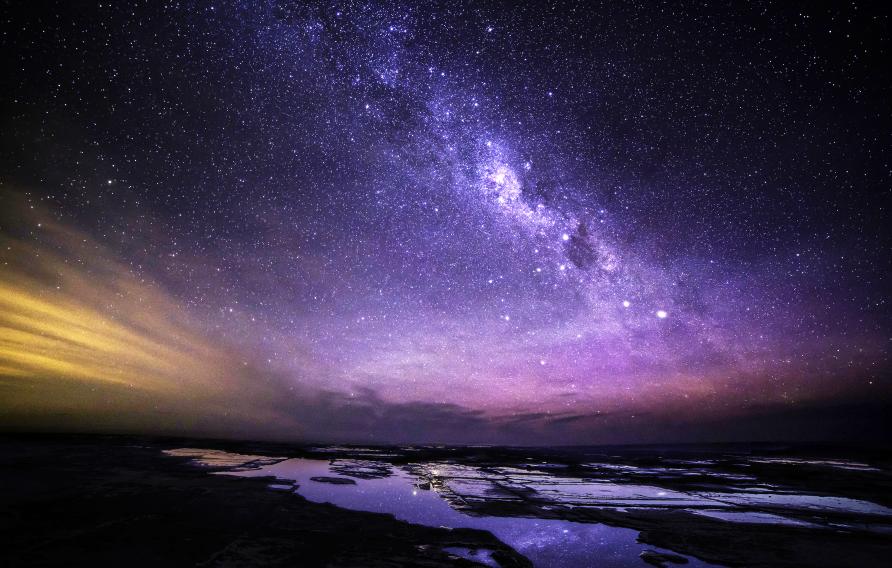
pixel 461 495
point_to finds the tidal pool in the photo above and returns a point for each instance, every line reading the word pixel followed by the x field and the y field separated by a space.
pixel 546 542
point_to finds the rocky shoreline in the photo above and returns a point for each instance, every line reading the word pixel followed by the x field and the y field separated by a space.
pixel 113 502
pixel 79 500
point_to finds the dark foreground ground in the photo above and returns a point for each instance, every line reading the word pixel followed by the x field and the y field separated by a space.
pixel 118 501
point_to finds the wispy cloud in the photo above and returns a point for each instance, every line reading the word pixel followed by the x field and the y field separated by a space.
pixel 87 341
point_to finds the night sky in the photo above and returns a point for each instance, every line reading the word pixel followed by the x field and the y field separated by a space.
pixel 447 222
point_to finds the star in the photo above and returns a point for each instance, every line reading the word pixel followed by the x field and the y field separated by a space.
pixel 229 167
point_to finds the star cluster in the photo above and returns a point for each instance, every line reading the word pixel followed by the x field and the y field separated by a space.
pixel 574 221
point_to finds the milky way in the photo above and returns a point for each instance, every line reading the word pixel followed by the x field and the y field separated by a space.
pixel 473 222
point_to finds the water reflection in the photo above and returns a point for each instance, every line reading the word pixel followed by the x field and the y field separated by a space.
pixel 545 542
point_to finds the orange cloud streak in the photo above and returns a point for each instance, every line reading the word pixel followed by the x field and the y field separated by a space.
pixel 87 343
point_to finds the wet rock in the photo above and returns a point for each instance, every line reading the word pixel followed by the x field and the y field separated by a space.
pixel 222 460
pixel 361 469
pixel 333 480
pixel 660 559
